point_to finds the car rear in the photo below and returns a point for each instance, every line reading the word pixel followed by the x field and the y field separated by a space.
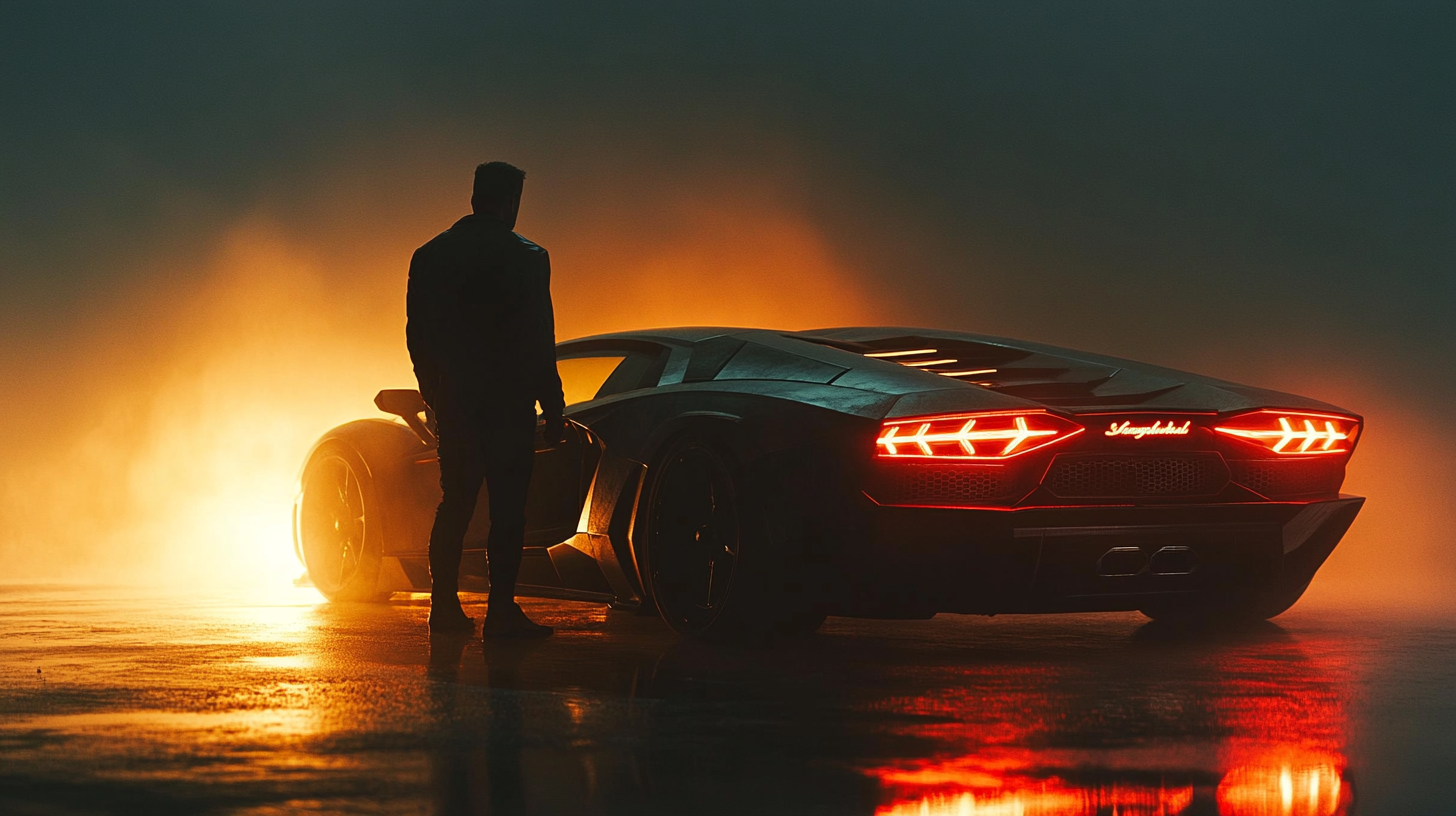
pixel 1044 510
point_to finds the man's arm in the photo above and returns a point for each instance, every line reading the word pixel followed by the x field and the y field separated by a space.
pixel 423 321
pixel 547 380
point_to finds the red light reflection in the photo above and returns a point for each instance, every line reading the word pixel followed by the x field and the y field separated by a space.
pixel 1257 729
pixel 991 787
pixel 1283 790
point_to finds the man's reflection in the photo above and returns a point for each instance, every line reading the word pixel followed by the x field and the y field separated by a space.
pixel 478 768
pixel 450 768
pixel 506 725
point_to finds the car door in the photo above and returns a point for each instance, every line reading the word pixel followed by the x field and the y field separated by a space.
pixel 589 371
pixel 553 502
pixel 562 473
pixel 558 488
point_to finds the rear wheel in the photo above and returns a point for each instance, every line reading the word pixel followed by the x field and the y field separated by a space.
pixel 338 524
pixel 706 561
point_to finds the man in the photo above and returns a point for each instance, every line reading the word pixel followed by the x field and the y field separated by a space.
pixel 481 335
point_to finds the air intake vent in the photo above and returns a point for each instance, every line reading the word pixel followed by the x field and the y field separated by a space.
pixel 958 485
pixel 1135 477
pixel 1289 478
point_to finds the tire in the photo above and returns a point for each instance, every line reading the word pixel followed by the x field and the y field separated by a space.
pixel 1228 609
pixel 339 524
pixel 707 562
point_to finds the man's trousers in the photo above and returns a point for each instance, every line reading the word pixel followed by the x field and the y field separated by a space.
pixel 497 446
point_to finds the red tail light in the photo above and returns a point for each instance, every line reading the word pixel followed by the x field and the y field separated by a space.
pixel 1294 433
pixel 996 435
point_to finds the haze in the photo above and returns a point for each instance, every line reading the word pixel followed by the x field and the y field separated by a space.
pixel 206 214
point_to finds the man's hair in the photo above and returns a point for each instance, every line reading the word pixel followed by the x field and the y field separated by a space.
pixel 497 184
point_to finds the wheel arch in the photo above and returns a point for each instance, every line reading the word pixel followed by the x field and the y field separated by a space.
pixel 766 439
pixel 386 449
pixel 661 439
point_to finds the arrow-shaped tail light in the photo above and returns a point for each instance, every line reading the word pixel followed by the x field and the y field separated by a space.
pixel 1294 433
pixel 995 435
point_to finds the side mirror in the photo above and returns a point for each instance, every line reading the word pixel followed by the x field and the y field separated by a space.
pixel 408 405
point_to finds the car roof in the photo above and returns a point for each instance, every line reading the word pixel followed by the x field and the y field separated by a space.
pixel 866 357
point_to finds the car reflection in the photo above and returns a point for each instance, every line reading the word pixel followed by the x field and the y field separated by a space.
pixel 616 714
pixel 1266 736
pixel 1164 722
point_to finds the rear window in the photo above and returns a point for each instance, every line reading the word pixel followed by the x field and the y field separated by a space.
pixel 583 377
pixel 603 372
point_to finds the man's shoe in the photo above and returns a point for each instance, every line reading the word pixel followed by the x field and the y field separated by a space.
pixel 502 621
pixel 446 619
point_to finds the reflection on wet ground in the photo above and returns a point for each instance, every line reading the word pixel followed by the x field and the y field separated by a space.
pixel 115 702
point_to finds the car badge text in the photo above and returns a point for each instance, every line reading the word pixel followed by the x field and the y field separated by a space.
pixel 1156 429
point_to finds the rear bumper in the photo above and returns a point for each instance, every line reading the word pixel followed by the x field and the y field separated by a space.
pixel 920 561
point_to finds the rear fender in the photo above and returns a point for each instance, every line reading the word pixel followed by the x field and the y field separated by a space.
pixel 720 422
pixel 388 450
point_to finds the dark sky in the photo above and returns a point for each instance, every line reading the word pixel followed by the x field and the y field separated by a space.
pixel 1179 169
pixel 1258 190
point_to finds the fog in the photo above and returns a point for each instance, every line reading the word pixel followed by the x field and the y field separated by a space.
pixel 208 214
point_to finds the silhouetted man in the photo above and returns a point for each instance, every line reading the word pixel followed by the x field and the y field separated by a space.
pixel 482 338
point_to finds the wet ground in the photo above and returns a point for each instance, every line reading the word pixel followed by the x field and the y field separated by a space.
pixel 120 701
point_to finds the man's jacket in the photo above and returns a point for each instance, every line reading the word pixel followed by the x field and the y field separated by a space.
pixel 480 327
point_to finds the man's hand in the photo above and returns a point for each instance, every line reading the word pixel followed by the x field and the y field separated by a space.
pixel 553 429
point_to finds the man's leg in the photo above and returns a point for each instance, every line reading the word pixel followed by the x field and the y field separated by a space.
pixel 461 472
pixel 510 453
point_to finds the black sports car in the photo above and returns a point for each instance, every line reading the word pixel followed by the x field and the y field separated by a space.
pixel 744 480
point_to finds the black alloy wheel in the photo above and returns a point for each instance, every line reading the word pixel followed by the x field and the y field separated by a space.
pixel 696 534
pixel 334 526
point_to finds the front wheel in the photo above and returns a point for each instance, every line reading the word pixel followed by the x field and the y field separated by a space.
pixel 339 524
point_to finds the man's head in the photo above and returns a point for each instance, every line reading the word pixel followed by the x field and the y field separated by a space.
pixel 498 191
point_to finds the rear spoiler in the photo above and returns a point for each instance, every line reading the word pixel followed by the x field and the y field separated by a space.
pixel 408 405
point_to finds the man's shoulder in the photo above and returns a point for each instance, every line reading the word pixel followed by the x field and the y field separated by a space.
pixel 528 244
pixel 470 242
pixel 439 243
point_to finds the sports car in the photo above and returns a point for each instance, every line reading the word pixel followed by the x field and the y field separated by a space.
pixel 747 481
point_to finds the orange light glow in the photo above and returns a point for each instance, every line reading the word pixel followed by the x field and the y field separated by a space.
pixel 180 408
pixel 1294 433
pixel 957 436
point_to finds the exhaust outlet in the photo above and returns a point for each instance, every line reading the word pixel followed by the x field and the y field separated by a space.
pixel 1121 562
pixel 1173 561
